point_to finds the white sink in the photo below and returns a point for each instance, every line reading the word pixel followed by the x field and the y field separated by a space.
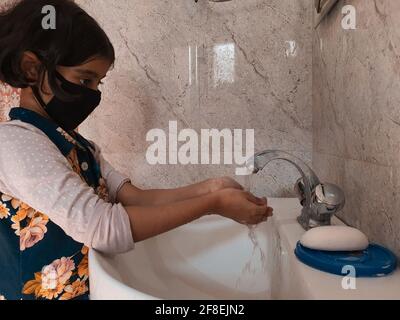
pixel 214 258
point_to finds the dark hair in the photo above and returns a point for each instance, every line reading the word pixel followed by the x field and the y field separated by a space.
pixel 76 38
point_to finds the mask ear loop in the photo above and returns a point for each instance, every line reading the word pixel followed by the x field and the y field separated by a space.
pixel 37 97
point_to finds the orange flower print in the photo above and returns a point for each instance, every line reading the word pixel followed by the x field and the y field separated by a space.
pixel 34 232
pixel 16 224
pixel 5 198
pixel 83 267
pixel 34 286
pixel 76 289
pixel 23 212
pixel 74 162
pixel 102 191
pixel 84 250
pixel 52 280
pixel 58 272
pixel 4 211
pixel 15 203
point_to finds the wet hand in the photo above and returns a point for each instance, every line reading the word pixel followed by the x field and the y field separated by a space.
pixel 242 206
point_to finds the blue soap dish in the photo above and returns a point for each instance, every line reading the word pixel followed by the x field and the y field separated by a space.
pixel 374 261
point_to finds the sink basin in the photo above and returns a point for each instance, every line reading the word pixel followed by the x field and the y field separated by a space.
pixel 214 258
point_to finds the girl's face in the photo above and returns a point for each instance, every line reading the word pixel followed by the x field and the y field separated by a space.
pixel 89 75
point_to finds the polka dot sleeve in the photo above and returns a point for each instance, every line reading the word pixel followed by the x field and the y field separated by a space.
pixel 114 179
pixel 34 171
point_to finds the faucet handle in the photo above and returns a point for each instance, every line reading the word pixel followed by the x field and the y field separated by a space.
pixel 327 196
pixel 330 195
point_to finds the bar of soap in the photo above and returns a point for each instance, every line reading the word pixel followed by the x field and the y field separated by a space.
pixel 335 238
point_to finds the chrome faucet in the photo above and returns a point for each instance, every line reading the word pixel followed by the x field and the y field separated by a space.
pixel 320 201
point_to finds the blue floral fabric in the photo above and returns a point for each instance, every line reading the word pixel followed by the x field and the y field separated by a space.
pixel 38 260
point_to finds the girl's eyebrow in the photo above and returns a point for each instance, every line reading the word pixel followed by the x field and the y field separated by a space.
pixel 88 73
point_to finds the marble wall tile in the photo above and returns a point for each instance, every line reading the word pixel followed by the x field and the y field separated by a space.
pixel 374 201
pixel 356 114
pixel 357 84
pixel 329 168
pixel 372 198
pixel 239 64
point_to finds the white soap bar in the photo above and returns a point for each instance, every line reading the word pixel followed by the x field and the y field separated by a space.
pixel 335 238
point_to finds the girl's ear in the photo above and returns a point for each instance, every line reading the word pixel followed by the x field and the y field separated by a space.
pixel 30 66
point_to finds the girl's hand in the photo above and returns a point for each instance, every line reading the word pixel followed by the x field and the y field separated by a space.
pixel 221 183
pixel 242 206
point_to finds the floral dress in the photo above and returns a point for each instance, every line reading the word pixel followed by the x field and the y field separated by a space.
pixel 38 259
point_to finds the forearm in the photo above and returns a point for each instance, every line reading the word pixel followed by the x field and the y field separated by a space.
pixel 150 221
pixel 129 195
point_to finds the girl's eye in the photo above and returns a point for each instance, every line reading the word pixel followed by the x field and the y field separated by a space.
pixel 90 83
pixel 85 82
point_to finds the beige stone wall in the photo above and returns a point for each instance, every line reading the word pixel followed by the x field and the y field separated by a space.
pixel 253 67
pixel 356 115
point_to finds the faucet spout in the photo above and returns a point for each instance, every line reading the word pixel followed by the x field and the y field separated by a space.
pixel 319 201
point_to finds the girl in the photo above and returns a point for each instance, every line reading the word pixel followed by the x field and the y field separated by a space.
pixel 58 196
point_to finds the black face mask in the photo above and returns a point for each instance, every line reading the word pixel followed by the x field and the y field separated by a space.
pixel 70 114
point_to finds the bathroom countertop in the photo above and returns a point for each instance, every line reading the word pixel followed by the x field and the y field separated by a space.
pixel 322 285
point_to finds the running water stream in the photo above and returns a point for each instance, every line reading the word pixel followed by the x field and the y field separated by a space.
pixel 257 262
